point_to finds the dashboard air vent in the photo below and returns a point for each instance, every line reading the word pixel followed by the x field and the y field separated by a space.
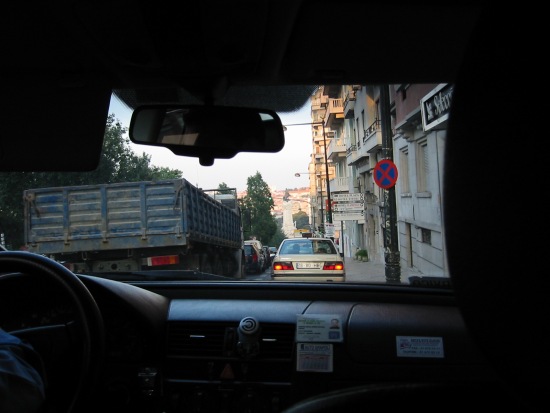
pixel 196 339
pixel 191 339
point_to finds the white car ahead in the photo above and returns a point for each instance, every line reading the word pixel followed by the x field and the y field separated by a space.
pixel 308 259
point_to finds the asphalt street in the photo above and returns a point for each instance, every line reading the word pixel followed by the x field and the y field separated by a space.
pixel 360 271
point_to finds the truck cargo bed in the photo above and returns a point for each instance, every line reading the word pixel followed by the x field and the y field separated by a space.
pixel 126 216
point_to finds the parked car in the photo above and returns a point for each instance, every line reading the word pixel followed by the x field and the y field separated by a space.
pixel 254 259
pixel 449 95
pixel 308 259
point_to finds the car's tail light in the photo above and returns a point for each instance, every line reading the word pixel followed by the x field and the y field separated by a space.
pixel 332 266
pixel 254 258
pixel 282 266
pixel 163 260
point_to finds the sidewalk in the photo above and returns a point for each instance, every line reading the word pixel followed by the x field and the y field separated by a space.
pixel 371 271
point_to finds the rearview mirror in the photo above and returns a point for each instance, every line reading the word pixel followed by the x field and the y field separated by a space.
pixel 207 132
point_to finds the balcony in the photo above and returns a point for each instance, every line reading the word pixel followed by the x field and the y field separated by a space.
pixel 339 184
pixel 372 138
pixel 336 148
pixel 319 157
pixel 349 104
pixel 351 154
pixel 318 103
pixel 335 113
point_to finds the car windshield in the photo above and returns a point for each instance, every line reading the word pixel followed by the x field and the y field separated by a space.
pixel 355 168
pixel 272 206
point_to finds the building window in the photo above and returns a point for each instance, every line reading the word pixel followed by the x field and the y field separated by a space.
pixel 363 121
pixel 358 131
pixel 422 166
pixel 349 132
pixel 425 236
pixel 404 171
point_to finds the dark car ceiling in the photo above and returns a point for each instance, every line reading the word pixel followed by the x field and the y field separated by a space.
pixel 295 43
pixel 65 58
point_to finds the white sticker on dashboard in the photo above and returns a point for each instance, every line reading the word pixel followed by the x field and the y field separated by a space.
pixel 314 357
pixel 319 328
pixel 413 346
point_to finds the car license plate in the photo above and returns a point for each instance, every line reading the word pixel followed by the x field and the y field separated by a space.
pixel 308 265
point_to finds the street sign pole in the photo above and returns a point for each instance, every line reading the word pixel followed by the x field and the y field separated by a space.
pixel 328 211
pixel 391 253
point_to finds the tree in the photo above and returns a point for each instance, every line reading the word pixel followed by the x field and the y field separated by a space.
pixel 257 204
pixel 118 163
pixel 277 238
pixel 223 188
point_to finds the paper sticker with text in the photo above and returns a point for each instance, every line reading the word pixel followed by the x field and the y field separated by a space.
pixel 412 346
pixel 314 357
pixel 319 328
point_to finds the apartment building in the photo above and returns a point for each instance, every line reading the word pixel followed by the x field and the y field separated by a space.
pixel 348 142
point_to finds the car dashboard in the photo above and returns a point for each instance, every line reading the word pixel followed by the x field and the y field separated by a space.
pixel 173 346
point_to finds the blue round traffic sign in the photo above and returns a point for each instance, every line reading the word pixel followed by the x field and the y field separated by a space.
pixel 385 174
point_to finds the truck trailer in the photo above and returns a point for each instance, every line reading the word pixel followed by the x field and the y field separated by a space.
pixel 137 226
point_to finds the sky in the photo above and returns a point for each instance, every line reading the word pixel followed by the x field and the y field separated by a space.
pixel 274 168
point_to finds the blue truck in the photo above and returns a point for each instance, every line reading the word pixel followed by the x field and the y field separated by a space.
pixel 137 226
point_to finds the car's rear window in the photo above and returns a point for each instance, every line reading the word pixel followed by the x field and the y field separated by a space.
pixel 309 247
pixel 323 247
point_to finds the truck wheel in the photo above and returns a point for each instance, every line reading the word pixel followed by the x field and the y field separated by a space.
pixel 228 266
pixel 240 265
pixel 206 264
pixel 234 264
pixel 217 266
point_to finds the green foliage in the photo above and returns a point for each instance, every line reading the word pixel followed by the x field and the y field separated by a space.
pixel 118 163
pixel 279 235
pixel 301 219
pixel 359 254
pixel 257 204
pixel 277 238
pixel 223 188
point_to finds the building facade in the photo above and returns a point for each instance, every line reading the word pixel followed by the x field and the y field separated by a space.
pixel 347 141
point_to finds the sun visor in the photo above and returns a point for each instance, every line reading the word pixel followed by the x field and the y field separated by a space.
pixel 55 126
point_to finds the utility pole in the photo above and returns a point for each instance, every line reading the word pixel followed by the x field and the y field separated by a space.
pixel 322 218
pixel 391 246
pixel 328 211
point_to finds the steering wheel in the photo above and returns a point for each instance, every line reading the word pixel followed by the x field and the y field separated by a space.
pixel 84 337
